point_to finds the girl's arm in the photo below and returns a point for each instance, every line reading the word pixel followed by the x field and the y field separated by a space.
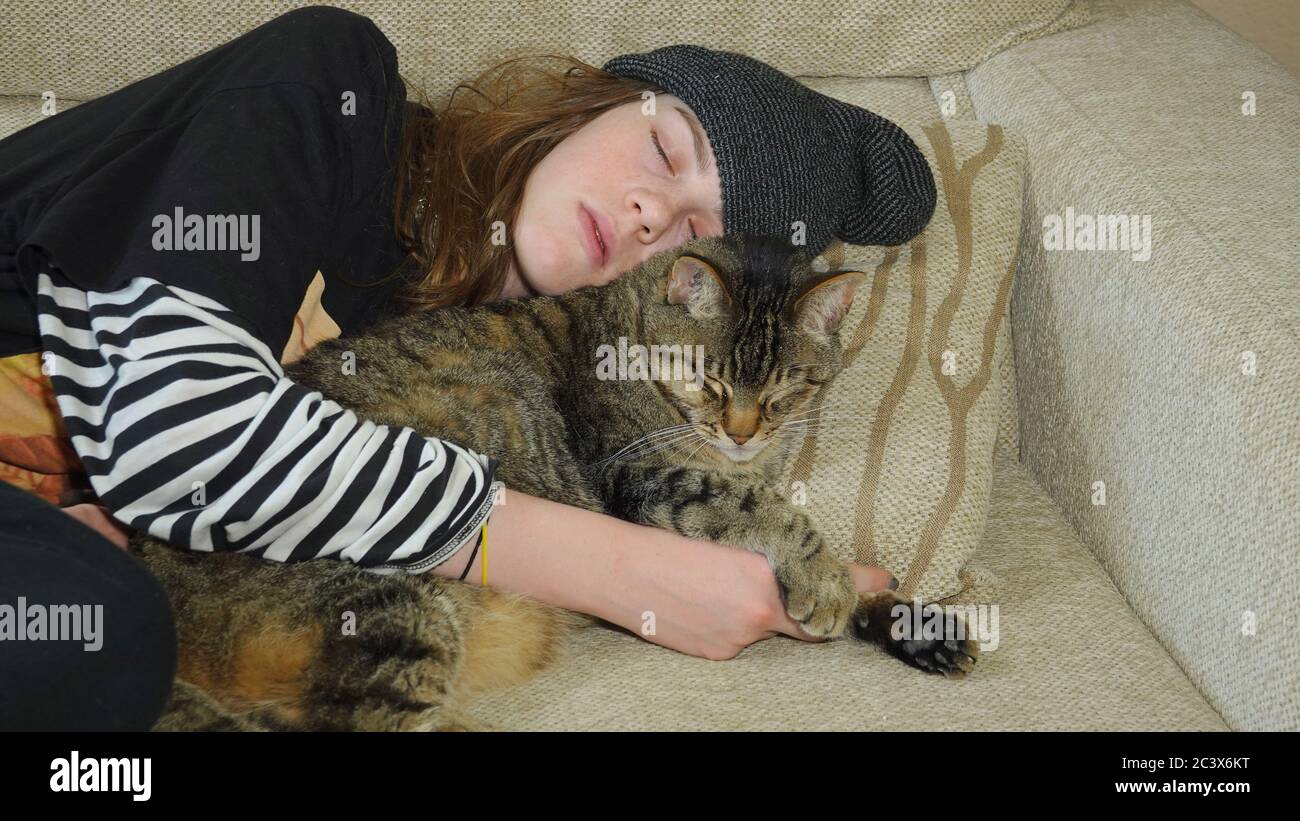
pixel 188 430
pixel 693 596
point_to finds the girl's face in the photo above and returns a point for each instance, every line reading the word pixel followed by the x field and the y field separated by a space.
pixel 611 171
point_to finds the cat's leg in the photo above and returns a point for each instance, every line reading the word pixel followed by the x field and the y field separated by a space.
pixel 926 637
pixel 815 585
pixel 325 645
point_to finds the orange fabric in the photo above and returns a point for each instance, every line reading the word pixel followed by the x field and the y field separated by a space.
pixel 35 453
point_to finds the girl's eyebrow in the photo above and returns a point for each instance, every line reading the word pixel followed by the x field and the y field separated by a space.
pixel 702 160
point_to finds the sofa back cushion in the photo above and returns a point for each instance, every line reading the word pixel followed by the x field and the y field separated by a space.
pixel 81 51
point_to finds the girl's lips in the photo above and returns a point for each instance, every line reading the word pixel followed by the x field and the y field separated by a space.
pixel 587 225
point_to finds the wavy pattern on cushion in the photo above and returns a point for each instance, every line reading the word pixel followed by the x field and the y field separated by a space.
pixel 898 468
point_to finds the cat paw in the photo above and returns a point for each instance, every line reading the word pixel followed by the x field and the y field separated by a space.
pixel 818 592
pixel 938 641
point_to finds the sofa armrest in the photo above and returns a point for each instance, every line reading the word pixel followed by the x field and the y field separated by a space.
pixel 1170 384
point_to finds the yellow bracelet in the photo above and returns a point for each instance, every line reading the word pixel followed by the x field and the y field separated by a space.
pixel 484 538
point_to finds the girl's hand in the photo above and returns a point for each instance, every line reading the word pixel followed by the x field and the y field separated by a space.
pixel 94 517
pixel 710 600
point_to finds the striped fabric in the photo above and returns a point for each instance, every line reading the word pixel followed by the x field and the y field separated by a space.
pixel 189 430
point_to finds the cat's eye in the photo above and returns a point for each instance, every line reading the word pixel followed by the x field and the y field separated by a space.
pixel 782 400
pixel 719 389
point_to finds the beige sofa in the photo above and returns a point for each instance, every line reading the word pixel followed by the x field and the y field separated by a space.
pixel 1175 381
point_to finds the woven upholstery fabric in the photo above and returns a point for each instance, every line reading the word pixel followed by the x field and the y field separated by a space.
pixel 16 113
pixel 898 468
pixel 1071 655
pixel 83 50
pixel 1174 381
pixel 904 100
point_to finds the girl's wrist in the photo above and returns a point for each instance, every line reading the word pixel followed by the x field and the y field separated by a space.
pixel 555 553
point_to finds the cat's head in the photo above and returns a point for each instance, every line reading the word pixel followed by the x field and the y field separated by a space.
pixel 764 323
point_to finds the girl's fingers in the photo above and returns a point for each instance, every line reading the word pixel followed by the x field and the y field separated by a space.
pixel 866 578
pixel 870 579
pixel 94 517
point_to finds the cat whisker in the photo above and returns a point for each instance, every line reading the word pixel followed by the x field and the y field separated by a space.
pixel 646 445
pixel 795 431
pixel 821 408
pixel 820 419
pixel 824 416
pixel 808 365
pixel 801 430
pixel 697 450
pixel 677 445
pixel 655 434
pixel 674 443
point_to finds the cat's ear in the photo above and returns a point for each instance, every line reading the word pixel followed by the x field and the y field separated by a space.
pixel 694 283
pixel 825 302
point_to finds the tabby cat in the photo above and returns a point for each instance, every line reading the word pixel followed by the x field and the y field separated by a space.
pixel 697 448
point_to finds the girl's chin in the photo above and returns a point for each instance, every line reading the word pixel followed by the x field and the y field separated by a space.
pixel 517 285
pixel 520 289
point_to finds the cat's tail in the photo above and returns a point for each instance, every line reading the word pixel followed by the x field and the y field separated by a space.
pixel 325 645
pixel 508 638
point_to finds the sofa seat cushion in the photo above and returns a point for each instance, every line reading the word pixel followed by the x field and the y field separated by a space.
pixel 1071 656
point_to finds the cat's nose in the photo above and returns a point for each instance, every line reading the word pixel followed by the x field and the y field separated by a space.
pixel 740 425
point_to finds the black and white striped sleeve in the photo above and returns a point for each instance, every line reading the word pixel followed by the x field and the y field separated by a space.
pixel 188 429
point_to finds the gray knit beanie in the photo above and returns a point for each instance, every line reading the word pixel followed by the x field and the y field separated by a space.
pixel 786 153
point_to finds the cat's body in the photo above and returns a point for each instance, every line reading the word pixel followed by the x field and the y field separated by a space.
pixel 528 382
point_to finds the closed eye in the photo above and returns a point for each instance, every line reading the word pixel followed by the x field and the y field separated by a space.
pixel 654 138
pixel 718 388
pixel 775 405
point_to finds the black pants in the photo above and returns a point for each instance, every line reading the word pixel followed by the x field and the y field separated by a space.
pixel 49 559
